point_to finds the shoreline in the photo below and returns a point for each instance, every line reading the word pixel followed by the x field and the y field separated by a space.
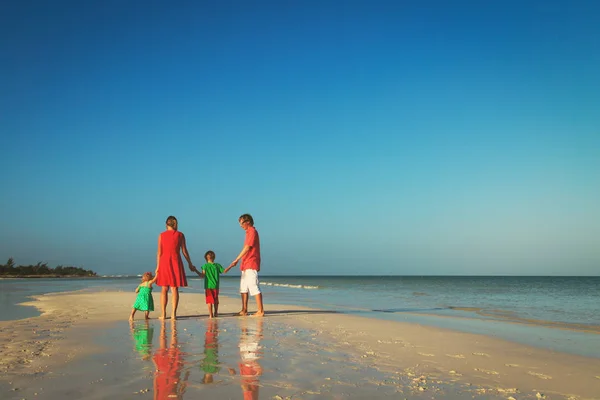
pixel 38 345
pixel 46 276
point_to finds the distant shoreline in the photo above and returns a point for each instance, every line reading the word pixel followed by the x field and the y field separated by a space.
pixel 44 276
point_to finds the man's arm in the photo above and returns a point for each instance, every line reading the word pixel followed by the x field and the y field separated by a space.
pixel 239 257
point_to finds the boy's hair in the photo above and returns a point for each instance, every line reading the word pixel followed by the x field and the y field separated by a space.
pixel 171 221
pixel 209 253
pixel 147 276
pixel 246 218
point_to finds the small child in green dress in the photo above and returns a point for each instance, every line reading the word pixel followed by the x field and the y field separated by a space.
pixel 144 301
pixel 210 273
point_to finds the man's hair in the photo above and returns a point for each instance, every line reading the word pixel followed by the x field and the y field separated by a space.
pixel 246 218
pixel 171 221
pixel 209 253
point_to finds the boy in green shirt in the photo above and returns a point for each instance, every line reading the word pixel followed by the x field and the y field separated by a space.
pixel 210 273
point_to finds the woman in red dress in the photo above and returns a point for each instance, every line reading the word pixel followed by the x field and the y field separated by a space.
pixel 169 267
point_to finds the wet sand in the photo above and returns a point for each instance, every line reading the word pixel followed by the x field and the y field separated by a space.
pixel 82 346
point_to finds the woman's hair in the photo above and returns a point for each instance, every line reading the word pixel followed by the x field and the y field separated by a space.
pixel 246 218
pixel 171 221
pixel 147 276
pixel 209 253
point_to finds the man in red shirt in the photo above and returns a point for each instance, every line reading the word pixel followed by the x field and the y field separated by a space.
pixel 250 256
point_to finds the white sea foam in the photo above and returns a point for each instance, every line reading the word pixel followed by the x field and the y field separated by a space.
pixel 289 285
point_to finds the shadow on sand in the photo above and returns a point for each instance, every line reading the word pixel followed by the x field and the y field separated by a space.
pixel 267 313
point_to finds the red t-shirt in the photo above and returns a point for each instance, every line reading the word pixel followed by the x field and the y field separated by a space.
pixel 251 259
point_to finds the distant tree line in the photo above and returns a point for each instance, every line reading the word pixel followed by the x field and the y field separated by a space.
pixel 41 269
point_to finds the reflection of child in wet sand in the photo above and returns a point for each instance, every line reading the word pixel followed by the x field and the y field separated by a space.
pixel 250 353
pixel 210 363
pixel 210 272
pixel 169 365
pixel 144 301
pixel 142 335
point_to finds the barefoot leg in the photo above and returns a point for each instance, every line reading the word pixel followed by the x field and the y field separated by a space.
pixel 259 305
pixel 244 304
pixel 175 293
pixel 164 299
pixel 132 314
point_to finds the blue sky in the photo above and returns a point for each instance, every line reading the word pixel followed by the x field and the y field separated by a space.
pixel 386 137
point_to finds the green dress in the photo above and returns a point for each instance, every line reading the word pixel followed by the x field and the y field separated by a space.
pixel 144 300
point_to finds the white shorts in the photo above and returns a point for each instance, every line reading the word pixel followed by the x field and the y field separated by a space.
pixel 249 282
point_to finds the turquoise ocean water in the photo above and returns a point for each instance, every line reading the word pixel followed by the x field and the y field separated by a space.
pixel 558 313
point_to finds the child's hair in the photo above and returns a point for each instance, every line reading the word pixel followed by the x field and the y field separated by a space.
pixel 209 253
pixel 147 276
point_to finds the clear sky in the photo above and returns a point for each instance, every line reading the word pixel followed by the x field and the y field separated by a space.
pixel 365 137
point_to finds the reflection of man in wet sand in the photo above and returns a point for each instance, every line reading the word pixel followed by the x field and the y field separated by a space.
pixel 210 363
pixel 250 353
pixel 169 365
pixel 142 335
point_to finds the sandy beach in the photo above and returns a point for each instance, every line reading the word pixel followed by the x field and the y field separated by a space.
pixel 82 346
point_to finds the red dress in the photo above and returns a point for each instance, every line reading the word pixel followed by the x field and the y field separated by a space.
pixel 170 267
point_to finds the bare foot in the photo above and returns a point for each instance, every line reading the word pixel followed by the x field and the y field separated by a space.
pixel 216 315
pixel 242 313
pixel 162 317
pixel 258 314
pixel 131 318
pixel 211 316
pixel 147 318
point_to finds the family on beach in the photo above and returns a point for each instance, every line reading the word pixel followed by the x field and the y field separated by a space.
pixel 170 272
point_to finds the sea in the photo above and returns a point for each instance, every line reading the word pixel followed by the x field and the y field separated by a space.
pixel 557 313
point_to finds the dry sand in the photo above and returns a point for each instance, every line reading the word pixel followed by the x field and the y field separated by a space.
pixel 307 353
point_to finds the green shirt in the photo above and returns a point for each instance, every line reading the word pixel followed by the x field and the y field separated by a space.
pixel 211 275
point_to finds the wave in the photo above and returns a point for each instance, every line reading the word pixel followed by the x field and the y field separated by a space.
pixel 289 285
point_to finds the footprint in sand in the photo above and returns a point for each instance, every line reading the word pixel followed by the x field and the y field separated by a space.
pixel 512 365
pixel 486 371
pixel 455 355
pixel 481 354
pixel 426 354
pixel 538 375
pixel 597 376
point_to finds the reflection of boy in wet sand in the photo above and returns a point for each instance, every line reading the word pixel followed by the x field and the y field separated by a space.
pixel 210 363
pixel 169 364
pixel 142 335
pixel 250 353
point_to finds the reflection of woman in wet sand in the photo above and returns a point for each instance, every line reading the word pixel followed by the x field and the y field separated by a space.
pixel 210 363
pixel 250 353
pixel 169 365
pixel 142 335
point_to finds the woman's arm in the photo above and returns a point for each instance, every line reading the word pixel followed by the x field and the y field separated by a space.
pixel 158 254
pixel 185 253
